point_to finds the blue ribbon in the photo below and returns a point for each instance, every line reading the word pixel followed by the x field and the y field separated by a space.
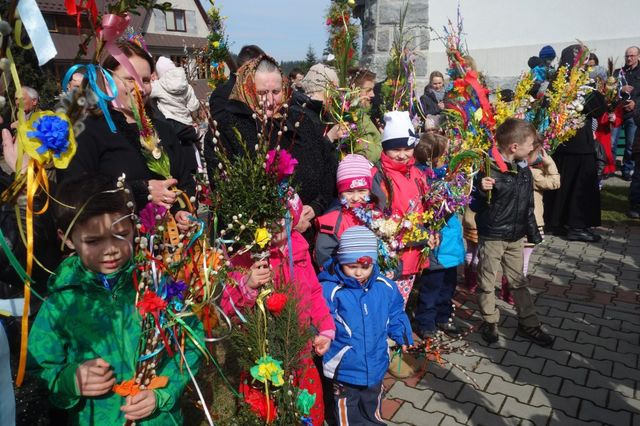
pixel 92 77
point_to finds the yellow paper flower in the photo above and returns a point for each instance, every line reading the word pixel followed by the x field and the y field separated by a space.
pixel 48 136
pixel 216 44
pixel 268 369
pixel 262 237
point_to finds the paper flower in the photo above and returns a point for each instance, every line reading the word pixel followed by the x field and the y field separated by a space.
pixel 286 163
pixel 176 288
pixel 268 369
pixel 130 387
pixel 48 136
pixel 148 215
pixel 258 403
pixel 151 303
pixel 305 402
pixel 262 237
pixel 276 302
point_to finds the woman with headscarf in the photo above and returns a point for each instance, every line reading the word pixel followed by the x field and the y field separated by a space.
pixel 261 89
pixel 574 209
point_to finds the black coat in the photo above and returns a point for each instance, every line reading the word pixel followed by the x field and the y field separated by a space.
pixel 429 103
pixel 112 154
pixel 315 173
pixel 510 214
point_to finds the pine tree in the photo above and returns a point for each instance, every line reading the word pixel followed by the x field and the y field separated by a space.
pixel 311 59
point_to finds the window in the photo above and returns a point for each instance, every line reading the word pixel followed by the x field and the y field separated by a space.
pixel 52 25
pixel 176 20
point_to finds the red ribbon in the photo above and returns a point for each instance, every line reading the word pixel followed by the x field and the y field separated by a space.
pixel 497 157
pixel 76 9
pixel 471 77
pixel 113 26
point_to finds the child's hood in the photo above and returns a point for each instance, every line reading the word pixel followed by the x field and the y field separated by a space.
pixel 174 81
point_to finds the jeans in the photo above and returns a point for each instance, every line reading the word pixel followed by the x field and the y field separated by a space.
pixel 629 135
pixel 434 297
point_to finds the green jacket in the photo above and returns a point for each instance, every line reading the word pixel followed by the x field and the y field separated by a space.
pixel 81 320
pixel 370 146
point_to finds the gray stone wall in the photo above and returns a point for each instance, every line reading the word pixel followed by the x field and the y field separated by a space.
pixel 380 19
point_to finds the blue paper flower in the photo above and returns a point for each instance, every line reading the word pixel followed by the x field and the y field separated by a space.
pixel 53 132
pixel 176 288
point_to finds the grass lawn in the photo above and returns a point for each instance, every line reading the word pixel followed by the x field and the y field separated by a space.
pixel 615 204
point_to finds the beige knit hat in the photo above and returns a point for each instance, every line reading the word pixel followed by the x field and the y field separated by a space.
pixel 318 78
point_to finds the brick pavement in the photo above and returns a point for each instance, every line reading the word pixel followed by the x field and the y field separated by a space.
pixel 588 296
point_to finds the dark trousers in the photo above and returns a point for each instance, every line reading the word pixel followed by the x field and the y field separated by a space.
pixel 634 189
pixel 434 297
pixel 357 405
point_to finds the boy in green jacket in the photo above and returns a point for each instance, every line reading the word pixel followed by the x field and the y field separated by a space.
pixel 85 337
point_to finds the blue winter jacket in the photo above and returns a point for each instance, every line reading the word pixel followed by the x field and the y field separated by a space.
pixel 450 252
pixel 365 315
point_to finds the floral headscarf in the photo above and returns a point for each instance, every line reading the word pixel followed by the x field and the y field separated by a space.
pixel 245 88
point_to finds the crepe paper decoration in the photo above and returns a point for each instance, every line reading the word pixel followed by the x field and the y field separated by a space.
pixel 305 402
pixel 268 369
pixel 48 137
pixel 131 388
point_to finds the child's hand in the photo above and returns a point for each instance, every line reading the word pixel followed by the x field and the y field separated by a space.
pixel 486 184
pixel 434 241
pixel 94 377
pixel 140 405
pixel 259 274
pixel 321 344
pixel 183 221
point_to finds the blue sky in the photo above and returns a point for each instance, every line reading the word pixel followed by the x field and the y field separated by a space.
pixel 282 28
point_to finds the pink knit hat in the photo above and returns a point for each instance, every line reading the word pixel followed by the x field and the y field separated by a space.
pixel 354 172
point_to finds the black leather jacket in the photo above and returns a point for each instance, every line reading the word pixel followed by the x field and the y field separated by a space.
pixel 509 215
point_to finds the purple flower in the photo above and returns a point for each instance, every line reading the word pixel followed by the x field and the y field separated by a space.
pixel 148 215
pixel 53 133
pixel 176 288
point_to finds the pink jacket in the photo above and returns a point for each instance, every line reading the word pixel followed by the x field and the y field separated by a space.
pixel 408 185
pixel 313 308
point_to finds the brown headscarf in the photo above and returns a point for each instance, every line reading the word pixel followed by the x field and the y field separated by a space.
pixel 245 88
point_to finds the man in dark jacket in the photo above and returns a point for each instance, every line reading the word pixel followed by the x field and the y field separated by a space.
pixel 629 78
pixel 503 202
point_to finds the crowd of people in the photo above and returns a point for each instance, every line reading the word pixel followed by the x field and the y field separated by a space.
pixel 83 334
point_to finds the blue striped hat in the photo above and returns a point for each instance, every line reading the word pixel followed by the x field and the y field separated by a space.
pixel 358 245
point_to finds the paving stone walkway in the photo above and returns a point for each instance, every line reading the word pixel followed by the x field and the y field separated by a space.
pixel 587 296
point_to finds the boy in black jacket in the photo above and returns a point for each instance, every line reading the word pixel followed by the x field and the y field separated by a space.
pixel 503 202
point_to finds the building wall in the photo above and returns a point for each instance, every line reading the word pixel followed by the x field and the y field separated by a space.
pixel 195 23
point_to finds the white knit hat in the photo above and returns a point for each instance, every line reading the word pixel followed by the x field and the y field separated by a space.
pixel 398 131
pixel 163 64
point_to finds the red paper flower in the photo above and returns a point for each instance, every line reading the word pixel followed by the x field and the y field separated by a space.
pixel 276 302
pixel 151 303
pixel 257 402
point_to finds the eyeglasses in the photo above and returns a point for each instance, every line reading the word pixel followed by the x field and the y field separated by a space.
pixel 630 56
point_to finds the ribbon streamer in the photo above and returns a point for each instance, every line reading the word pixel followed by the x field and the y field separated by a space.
pixel 91 75
pixel 113 26
pixel 34 23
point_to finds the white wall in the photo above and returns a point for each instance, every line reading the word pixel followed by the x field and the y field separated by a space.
pixel 196 25
pixel 503 34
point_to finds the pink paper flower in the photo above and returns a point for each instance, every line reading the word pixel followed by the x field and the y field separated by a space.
pixel 286 163
pixel 148 216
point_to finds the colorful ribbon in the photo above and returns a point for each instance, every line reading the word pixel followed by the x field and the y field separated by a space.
pixel 34 23
pixel 91 75
pixel 113 26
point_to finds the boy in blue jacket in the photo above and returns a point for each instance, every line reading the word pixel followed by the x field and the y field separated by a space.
pixel 367 308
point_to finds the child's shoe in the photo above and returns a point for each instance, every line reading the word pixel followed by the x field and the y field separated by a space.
pixel 536 335
pixel 489 332
pixel 505 293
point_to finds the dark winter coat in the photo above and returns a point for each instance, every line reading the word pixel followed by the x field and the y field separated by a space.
pixel 429 103
pixel 112 154
pixel 509 216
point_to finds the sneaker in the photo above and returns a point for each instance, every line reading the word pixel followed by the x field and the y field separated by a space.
pixel 536 335
pixel 450 329
pixel 489 332
pixel 505 293
pixel 426 334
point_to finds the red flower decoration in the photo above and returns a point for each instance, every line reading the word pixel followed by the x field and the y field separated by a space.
pixel 257 402
pixel 151 303
pixel 276 302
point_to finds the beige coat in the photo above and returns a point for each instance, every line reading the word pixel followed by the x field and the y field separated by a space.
pixel 545 178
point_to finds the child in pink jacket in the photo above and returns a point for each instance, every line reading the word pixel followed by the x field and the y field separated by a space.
pixel 313 309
